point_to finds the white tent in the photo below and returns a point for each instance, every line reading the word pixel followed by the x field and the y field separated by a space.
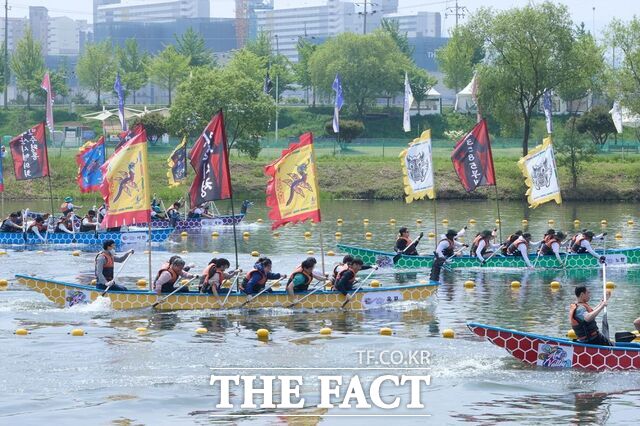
pixel 630 119
pixel 464 99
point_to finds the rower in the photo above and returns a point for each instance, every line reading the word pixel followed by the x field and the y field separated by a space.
pixel 447 246
pixel 300 279
pixel 156 213
pixel 173 212
pixel 405 245
pixel 582 244
pixel 11 223
pixel 65 224
pixel 551 245
pixel 347 278
pixel 520 247
pixel 255 280
pixel 37 226
pixel 199 212
pixel 89 222
pixel 510 239
pixel 481 246
pixel 102 212
pixel 186 268
pixel 167 277
pixel 583 318
pixel 214 275
pixel 104 263
pixel 68 206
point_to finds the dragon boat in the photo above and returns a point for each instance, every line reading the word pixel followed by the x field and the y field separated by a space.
pixel 68 294
pixel 193 223
pixel 623 256
pixel 91 238
pixel 546 351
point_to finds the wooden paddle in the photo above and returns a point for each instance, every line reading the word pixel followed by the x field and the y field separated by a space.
pixel 413 244
pixel 235 280
pixel 263 290
pixel 25 212
pixel 175 291
pixel 358 288
pixel 605 321
pixel 113 281
pixel 492 254
pixel 318 287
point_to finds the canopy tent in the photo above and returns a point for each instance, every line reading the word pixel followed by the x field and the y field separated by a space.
pixel 630 119
pixel 464 99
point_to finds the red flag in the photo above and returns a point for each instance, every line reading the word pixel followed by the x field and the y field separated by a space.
pixel 472 158
pixel 210 162
pixel 46 85
pixel 29 152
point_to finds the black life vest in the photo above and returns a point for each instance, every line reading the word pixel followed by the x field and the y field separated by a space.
pixel 547 247
pixel 67 224
pixel 513 247
pixel 583 329
pixel 107 269
pixel 576 247
pixel 168 286
pixel 341 273
pixel 41 227
pixel 476 242
pixel 411 251
pixel 448 252
pixel 65 209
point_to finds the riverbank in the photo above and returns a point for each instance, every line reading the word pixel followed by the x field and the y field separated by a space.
pixel 356 176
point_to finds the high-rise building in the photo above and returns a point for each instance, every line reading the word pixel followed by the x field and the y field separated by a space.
pixel 64 36
pixel 39 24
pixel 422 24
pixel 246 21
pixel 16 29
pixel 106 11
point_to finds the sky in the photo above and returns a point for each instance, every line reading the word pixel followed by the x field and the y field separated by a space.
pixel 581 10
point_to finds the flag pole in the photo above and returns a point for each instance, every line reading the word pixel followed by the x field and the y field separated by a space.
pixel 499 218
pixel 235 236
pixel 149 238
pixel 48 171
pixel 435 219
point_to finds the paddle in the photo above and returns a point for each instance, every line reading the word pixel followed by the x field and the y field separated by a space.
pixel 25 212
pixel 626 336
pixel 318 287
pixel 413 244
pixel 492 254
pixel 235 282
pixel 113 281
pixel 357 288
pixel 174 291
pixel 263 290
pixel 605 321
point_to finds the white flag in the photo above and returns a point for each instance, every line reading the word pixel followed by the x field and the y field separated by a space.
pixel 616 116
pixel 417 168
pixel 408 101
pixel 541 175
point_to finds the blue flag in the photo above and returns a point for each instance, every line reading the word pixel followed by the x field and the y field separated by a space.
pixel 90 158
pixel 337 87
pixel 120 91
pixel 547 105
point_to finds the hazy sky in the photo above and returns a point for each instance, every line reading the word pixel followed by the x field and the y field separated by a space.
pixel 581 10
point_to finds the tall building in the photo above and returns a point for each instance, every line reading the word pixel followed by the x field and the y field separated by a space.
pixel 39 24
pixel 16 29
pixel 64 36
pixel 107 11
pixel 246 21
pixel 422 24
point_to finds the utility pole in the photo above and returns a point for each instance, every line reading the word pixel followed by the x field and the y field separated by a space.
pixel 364 26
pixel 457 11
pixel 6 51
pixel 366 12
pixel 277 95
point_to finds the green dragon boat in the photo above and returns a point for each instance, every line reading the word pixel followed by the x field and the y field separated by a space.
pixel 626 256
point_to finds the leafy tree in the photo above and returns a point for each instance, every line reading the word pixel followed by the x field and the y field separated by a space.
pixel 421 82
pixel 459 56
pixel 261 46
pixel 27 65
pixel 168 69
pixel 301 69
pixel 573 151
pixel 2 68
pixel 349 130
pixel 529 50
pixel 597 123
pixel 279 66
pixel 154 124
pixel 191 44
pixel 59 84
pixel 369 65
pixel 392 27
pixel 132 66
pixel 96 68
pixel 624 82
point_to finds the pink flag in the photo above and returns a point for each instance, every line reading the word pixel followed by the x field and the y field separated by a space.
pixel 46 85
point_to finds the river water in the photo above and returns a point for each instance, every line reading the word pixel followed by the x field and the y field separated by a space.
pixel 114 375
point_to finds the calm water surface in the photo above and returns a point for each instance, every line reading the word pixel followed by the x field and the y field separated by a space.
pixel 112 375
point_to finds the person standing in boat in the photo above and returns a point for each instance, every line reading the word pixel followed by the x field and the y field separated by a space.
pixel 214 275
pixel 520 247
pixel 89 222
pixel 104 264
pixel 68 206
pixel 37 226
pixel 551 245
pixel 583 318
pixel 405 245
pixel 582 244
pixel 167 277
pixel 11 223
pixel 255 281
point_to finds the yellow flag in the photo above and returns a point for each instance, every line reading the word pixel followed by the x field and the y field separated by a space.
pixel 541 175
pixel 177 163
pixel 417 169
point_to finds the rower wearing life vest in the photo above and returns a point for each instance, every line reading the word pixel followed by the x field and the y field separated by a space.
pixel 300 279
pixel 346 261
pixel 255 280
pixel 173 212
pixel 405 245
pixel 65 224
pixel 68 206
pixel 167 277
pixel 104 263
pixel 156 213
pixel 199 212
pixel 37 226
pixel 582 244
pixel 481 247
pixel 520 247
pixel 551 245
pixel 510 239
pixel 447 246
pixel 583 318
pixel 347 278
pixel 11 223
pixel 214 275
pixel 89 222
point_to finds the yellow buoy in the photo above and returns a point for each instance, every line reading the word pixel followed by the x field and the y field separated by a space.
pixel 618 236
pixel 603 222
pixel 469 284
pixel 93 282
pixel 255 253
pixel 77 332
pixel 215 252
pixel 551 221
pixel 515 284
pixel 184 234
pixel 375 283
pixel 338 234
pixel 571 334
pixel 365 221
pixel 259 220
pixel 392 221
pixel 276 235
pixel 3 253
pixel 75 253
pixel 386 331
pixel 22 332
pixel 576 222
pixel 246 234
pixel 448 333
pixel 262 333
pixel 215 234
pixel 310 252
pixel 4 284
pixel 146 252
pixel 141 329
pixel 40 252
pixel 472 221
pixel 307 234
pixel 339 221
pixel 555 284
pixel 141 282
pixel 331 253
pixel 497 221
pixel 630 222
pixel 525 221
pixel 325 331
pixel 445 221
pixel 201 330
pixel 418 221
pixel 431 234
pixel 368 235
pixel 610 285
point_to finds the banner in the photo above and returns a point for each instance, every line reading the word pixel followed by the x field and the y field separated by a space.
pixel 292 190
pixel 540 175
pixel 177 163
pixel 417 169
pixel 337 105
pixel 126 185
pixel 46 85
pixel 90 158
pixel 472 158
pixel 408 100
pixel 29 152
pixel 210 161
pixel 117 87
pixel 547 105
pixel 126 135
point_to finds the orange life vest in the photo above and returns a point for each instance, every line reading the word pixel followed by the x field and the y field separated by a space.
pixel 576 246
pixel 476 242
pixel 548 243
pixel 299 271
pixel 513 247
pixel 107 268
pixel 448 252
pixel 168 286
pixel 341 273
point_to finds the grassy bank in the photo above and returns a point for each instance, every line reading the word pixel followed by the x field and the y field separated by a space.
pixel 356 176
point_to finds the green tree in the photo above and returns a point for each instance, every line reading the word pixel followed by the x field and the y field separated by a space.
pixel 573 151
pixel 349 130
pixel 421 82
pixel 625 76
pixel 27 65
pixel 597 123
pixel 261 46
pixel 59 85
pixel 369 65
pixel 132 66
pixel 96 68
pixel 192 45
pixel 301 69
pixel 154 124
pixel 280 68
pixel 392 27
pixel 459 56
pixel 2 68
pixel 168 69
pixel 529 50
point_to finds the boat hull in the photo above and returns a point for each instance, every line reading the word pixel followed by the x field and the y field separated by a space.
pixel 546 351
pixel 69 294
pixel 385 259
pixel 90 238
pixel 186 224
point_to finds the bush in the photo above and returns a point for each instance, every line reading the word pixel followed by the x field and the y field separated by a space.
pixel 349 130
pixel 251 147
pixel 154 123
